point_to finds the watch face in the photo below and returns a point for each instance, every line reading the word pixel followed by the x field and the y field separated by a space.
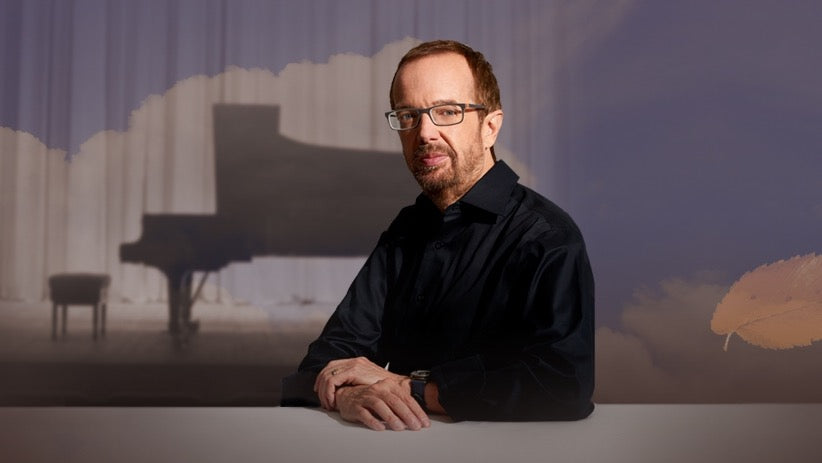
pixel 420 375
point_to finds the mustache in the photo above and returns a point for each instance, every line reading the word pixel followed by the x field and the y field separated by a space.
pixel 424 150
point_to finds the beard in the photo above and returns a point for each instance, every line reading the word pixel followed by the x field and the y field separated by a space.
pixel 436 179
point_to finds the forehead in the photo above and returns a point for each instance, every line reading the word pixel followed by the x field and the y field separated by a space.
pixel 432 79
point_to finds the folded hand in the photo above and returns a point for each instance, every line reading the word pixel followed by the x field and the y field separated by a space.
pixel 386 402
pixel 347 372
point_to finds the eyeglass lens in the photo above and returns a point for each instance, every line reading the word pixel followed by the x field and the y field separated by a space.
pixel 447 114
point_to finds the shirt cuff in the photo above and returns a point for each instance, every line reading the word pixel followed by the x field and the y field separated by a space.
pixel 298 390
pixel 459 384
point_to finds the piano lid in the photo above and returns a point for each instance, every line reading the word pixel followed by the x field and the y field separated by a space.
pixel 302 199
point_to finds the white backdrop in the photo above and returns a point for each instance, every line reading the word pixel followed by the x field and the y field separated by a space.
pixel 102 130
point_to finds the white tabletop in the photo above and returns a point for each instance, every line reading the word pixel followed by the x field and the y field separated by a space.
pixel 613 433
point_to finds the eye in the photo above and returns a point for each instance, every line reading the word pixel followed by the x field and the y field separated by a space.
pixel 448 111
pixel 406 116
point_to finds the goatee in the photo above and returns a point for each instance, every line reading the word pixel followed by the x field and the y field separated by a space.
pixel 435 179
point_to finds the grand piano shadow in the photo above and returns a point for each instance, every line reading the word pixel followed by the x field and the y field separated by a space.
pixel 275 196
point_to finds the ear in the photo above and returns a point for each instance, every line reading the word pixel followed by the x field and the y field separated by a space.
pixel 491 125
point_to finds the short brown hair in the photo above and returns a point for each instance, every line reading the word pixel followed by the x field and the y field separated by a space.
pixel 485 83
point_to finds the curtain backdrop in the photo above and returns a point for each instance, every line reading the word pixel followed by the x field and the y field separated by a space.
pixel 683 137
pixel 106 115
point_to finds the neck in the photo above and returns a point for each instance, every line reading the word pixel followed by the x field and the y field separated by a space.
pixel 443 199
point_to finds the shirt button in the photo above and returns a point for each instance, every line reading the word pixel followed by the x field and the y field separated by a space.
pixel 420 298
pixel 438 244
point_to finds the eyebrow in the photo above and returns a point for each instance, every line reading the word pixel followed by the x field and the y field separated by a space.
pixel 435 103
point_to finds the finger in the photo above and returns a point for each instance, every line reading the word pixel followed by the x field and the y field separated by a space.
pixel 415 409
pixel 329 395
pixel 320 386
pixel 324 373
pixel 330 386
pixel 323 396
pixel 321 383
pixel 332 368
pixel 325 391
pixel 367 418
pixel 387 415
pixel 409 412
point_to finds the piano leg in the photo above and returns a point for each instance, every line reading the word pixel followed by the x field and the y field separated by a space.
pixel 179 304
pixel 185 302
pixel 175 288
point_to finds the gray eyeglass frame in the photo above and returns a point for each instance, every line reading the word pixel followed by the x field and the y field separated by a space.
pixel 420 111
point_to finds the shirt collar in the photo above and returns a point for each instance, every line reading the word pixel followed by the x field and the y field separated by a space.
pixel 489 194
pixel 492 190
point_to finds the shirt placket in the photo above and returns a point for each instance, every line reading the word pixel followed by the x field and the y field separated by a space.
pixel 433 280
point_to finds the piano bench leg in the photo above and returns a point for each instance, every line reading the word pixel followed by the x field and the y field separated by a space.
pixel 103 320
pixel 54 321
pixel 64 318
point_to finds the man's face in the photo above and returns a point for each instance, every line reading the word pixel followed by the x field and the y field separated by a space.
pixel 444 160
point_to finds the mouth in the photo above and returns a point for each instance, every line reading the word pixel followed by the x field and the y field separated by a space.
pixel 432 159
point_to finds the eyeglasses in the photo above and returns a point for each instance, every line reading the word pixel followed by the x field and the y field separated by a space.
pixel 441 114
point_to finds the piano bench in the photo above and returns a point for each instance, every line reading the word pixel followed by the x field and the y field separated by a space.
pixel 79 289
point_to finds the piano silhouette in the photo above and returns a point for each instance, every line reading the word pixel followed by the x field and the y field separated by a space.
pixel 275 196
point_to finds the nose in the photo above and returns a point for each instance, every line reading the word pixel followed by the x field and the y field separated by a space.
pixel 427 129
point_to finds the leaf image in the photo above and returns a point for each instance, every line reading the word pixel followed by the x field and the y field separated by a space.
pixel 775 306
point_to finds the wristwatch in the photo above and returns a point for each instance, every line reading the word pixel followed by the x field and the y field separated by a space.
pixel 419 378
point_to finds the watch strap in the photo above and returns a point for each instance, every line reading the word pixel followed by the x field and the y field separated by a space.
pixel 419 379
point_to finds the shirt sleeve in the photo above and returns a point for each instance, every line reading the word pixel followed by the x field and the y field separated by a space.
pixel 542 365
pixel 353 330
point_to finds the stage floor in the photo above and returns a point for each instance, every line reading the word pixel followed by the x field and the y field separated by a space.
pixel 238 356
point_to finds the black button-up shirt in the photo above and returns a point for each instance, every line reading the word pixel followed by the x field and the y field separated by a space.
pixel 495 296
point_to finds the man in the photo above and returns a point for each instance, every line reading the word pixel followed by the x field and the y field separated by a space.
pixel 478 300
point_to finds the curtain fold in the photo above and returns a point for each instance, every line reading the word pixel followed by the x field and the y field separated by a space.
pixel 106 116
